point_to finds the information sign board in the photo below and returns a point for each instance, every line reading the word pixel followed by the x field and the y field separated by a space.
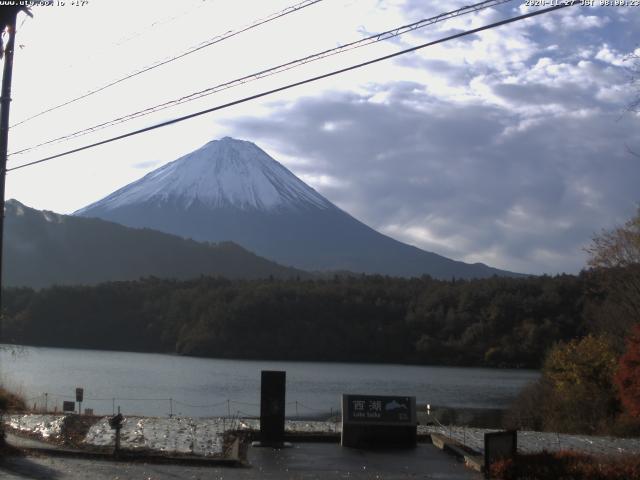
pixel 379 409
pixel 378 421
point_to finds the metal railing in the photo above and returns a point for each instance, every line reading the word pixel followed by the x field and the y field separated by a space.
pixel 49 402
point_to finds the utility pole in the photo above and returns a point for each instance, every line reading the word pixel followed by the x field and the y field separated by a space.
pixel 5 102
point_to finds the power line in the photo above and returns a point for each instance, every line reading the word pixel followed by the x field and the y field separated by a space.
pixel 132 36
pixel 127 37
pixel 271 71
pixel 196 48
pixel 568 3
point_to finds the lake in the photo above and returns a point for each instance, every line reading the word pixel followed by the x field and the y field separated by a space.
pixel 157 384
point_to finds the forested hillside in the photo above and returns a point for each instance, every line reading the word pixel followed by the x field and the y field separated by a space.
pixel 492 322
pixel 43 248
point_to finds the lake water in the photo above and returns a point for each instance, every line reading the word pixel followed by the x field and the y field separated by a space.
pixel 156 384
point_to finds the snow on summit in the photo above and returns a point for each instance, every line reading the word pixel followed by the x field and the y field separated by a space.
pixel 222 173
pixel 231 190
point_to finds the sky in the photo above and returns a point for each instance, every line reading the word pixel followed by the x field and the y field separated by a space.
pixel 512 147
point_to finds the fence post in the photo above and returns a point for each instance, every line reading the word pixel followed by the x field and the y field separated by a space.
pixel 46 400
pixel 171 408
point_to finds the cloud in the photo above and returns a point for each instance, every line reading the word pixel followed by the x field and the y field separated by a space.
pixel 448 179
pixel 611 56
pixel 508 147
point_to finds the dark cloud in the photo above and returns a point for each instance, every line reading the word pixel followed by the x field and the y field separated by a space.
pixel 516 163
pixel 569 95
pixel 467 181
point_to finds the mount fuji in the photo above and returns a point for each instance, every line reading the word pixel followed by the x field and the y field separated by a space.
pixel 231 190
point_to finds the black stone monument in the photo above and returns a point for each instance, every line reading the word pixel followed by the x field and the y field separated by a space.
pixel 272 404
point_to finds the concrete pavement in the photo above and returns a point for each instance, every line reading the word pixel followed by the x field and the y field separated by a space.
pixel 305 461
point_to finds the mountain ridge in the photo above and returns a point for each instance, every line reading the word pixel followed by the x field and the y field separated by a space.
pixel 43 248
pixel 297 227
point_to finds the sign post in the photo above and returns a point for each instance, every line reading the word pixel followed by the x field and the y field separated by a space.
pixel 499 446
pixel 79 398
pixel 115 423
pixel 378 421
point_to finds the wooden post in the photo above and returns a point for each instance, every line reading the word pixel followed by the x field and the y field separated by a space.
pixel 5 102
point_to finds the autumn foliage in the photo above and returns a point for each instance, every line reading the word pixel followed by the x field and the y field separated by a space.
pixel 591 384
pixel 567 465
pixel 627 377
pixel 575 393
pixel 588 362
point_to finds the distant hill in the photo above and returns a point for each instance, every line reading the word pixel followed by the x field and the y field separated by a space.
pixel 42 248
pixel 232 190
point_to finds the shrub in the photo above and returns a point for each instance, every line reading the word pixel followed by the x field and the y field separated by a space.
pixel 567 466
pixel 581 397
pixel 10 401
pixel 528 410
pixel 627 377
pixel 575 393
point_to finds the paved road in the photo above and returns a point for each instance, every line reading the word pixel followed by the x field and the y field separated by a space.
pixel 25 442
pixel 305 461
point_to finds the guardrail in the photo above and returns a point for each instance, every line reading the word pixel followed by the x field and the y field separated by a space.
pixel 52 402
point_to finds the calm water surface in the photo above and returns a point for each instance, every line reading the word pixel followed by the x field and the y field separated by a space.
pixel 156 384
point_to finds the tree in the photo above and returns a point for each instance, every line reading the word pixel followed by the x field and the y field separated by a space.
pixel 634 70
pixel 627 377
pixel 617 248
pixel 615 269
pixel 580 378
pixel 588 361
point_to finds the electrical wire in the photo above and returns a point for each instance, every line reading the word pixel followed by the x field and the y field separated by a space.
pixel 569 3
pixel 196 48
pixel 126 38
pixel 270 71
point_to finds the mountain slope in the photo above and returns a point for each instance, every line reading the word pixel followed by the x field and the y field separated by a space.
pixel 232 190
pixel 221 174
pixel 44 248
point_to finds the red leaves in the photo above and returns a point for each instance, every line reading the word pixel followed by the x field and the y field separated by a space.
pixel 567 465
pixel 627 377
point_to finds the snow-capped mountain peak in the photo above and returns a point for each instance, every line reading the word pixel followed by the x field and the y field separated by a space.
pixel 232 190
pixel 222 173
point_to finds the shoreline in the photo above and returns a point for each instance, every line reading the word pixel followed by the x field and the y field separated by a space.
pixel 521 368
